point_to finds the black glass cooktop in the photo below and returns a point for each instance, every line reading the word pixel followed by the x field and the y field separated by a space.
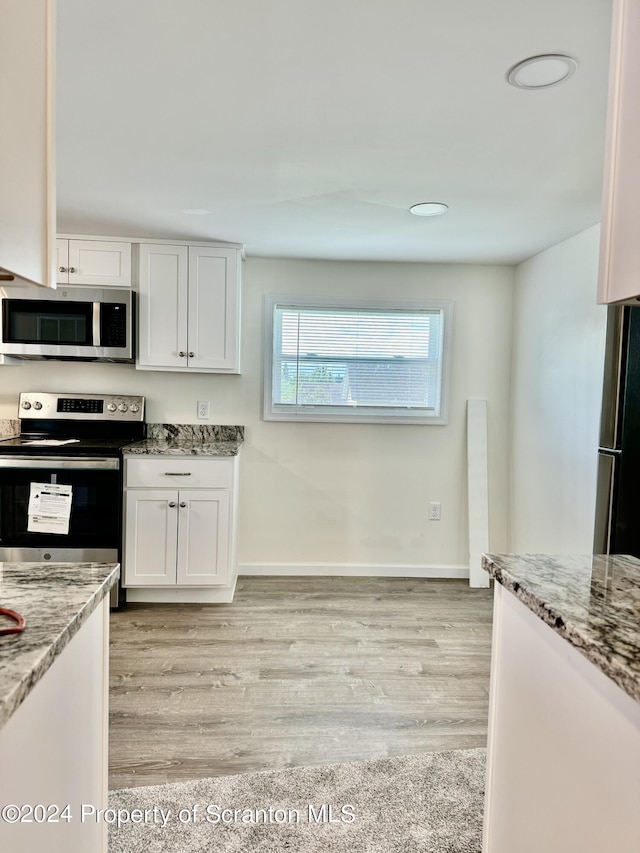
pixel 44 445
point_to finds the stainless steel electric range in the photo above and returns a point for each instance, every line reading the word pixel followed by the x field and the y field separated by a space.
pixel 72 444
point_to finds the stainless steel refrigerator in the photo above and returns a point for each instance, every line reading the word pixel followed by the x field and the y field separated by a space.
pixel 617 523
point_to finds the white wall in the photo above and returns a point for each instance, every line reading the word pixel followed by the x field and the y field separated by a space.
pixel 340 493
pixel 558 350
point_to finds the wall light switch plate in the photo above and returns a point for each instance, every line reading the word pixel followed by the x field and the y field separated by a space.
pixel 203 409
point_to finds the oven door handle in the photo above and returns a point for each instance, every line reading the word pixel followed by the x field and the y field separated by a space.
pixel 61 462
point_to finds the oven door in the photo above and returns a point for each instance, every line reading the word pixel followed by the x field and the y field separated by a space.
pixel 95 521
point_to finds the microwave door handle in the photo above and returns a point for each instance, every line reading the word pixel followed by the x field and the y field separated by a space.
pixel 96 324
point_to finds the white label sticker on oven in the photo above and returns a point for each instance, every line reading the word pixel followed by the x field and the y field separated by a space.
pixel 49 508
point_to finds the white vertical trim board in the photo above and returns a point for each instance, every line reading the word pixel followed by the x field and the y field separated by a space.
pixel 478 489
pixel 353 570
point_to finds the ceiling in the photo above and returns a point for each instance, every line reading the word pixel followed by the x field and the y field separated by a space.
pixel 308 127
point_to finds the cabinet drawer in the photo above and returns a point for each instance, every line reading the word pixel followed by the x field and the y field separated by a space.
pixel 179 472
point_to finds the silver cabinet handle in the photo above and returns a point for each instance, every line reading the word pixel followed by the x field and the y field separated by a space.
pixel 181 354
pixel 177 473
pixel 172 504
pixel 63 269
pixel 72 269
pixel 182 504
pixel 192 355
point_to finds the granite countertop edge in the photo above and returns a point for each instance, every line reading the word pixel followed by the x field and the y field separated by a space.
pixel 11 701
pixel 182 447
pixel 563 625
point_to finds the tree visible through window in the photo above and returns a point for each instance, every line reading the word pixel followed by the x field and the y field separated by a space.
pixel 368 362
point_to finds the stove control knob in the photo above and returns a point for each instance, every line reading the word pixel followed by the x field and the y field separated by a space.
pixel 26 404
pixel 37 405
pixel 111 407
pixel 123 407
pixel 134 407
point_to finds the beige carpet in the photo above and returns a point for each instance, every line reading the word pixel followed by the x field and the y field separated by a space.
pixel 428 803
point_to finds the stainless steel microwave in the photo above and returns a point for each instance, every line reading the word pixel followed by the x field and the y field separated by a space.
pixel 85 324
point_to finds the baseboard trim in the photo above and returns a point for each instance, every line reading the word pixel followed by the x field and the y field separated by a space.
pixel 364 570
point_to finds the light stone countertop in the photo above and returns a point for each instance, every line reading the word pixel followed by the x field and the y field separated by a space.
pixel 56 599
pixel 592 602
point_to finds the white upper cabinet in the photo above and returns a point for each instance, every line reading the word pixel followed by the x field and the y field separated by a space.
pixel 162 306
pixel 619 278
pixel 27 159
pixel 189 308
pixel 102 263
pixel 213 316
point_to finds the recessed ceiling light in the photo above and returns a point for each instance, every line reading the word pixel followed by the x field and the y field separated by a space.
pixel 541 72
pixel 429 208
pixel 196 211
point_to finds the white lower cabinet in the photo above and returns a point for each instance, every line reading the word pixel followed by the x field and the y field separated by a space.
pixel 151 544
pixel 180 543
pixel 203 543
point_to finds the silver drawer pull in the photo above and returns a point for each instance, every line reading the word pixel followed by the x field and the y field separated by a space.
pixel 172 504
pixel 182 504
pixel 177 473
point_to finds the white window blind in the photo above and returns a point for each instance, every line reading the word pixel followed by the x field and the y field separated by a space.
pixel 356 363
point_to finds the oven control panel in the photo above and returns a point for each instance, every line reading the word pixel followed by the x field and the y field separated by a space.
pixel 108 407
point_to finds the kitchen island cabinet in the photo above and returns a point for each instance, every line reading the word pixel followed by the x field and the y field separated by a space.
pixel 54 706
pixel 563 769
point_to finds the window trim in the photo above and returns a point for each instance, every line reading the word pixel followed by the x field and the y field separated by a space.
pixel 302 302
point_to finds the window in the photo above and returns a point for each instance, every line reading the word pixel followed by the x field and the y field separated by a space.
pixel 374 361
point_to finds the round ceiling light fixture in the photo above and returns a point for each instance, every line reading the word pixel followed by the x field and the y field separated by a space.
pixel 429 208
pixel 541 72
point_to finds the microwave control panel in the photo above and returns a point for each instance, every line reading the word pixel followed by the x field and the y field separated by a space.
pixel 113 324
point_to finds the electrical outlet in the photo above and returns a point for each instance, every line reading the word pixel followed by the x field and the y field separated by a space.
pixel 434 511
pixel 203 408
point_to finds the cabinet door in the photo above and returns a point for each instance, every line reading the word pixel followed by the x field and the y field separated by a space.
pixel 151 537
pixel 27 161
pixel 214 306
pixel 162 301
pixel 619 246
pixel 102 263
pixel 203 537
pixel 62 261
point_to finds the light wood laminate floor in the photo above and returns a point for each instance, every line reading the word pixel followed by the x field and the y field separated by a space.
pixel 297 671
